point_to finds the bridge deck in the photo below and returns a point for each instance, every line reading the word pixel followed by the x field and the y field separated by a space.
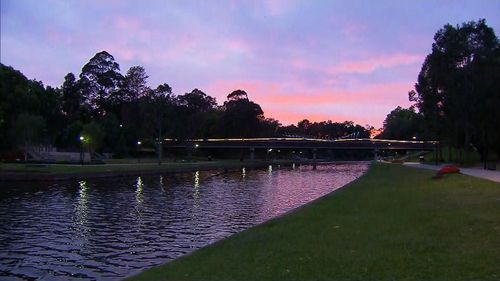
pixel 302 143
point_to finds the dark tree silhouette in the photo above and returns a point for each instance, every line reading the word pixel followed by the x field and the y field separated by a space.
pixel 402 124
pixel 135 84
pixel 100 82
pixel 117 111
pixel 455 90
pixel 241 116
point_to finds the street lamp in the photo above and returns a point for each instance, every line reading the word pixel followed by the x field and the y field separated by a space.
pixel 81 149
pixel 138 151
pixel 268 152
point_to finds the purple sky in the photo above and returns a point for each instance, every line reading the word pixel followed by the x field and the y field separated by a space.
pixel 337 60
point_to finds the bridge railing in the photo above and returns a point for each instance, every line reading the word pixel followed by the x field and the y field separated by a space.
pixel 303 143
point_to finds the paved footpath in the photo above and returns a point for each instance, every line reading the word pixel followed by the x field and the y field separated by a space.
pixel 475 172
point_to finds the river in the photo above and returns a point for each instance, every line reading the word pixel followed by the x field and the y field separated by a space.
pixel 109 229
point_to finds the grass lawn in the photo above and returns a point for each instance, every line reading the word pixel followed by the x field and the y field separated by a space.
pixel 395 223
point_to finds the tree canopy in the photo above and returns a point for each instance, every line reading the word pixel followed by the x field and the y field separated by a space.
pixel 114 111
pixel 457 93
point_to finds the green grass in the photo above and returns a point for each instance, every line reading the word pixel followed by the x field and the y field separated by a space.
pixel 395 223
pixel 127 165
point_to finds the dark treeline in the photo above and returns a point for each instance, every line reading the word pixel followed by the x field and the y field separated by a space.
pixel 113 112
pixel 457 94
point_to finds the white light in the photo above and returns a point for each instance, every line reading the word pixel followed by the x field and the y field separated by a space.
pixel 81 138
pixel 196 145
pixel 139 142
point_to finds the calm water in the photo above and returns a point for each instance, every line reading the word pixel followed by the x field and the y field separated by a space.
pixel 109 229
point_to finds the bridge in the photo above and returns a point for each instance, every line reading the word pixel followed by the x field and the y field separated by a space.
pixel 301 143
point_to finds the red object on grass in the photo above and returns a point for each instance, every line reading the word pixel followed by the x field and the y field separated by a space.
pixel 449 170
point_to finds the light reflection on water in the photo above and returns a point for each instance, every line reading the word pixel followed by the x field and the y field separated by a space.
pixel 109 229
pixel 81 211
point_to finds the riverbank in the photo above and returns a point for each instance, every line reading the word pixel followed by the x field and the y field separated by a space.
pixel 477 172
pixel 395 223
pixel 58 172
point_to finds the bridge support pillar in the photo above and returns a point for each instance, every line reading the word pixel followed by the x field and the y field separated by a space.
pixel 330 155
pixel 252 154
pixel 375 155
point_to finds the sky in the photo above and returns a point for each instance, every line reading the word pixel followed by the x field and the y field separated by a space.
pixel 314 59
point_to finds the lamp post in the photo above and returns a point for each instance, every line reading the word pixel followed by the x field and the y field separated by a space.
pixel 81 149
pixel 138 151
pixel 268 152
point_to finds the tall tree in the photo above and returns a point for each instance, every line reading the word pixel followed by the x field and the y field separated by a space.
pixel 71 100
pixel 14 99
pixel 197 101
pixel 450 91
pixel 242 117
pixel 100 81
pixel 160 106
pixel 194 109
pixel 402 124
pixel 237 95
pixel 135 84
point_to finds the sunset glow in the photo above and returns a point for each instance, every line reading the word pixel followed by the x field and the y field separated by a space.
pixel 320 60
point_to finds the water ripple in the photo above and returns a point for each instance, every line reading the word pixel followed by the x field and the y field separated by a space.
pixel 109 229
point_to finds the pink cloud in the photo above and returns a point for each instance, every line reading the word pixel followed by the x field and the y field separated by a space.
pixel 129 24
pixel 239 46
pixel 354 31
pixel 277 7
pixel 278 103
pixel 374 63
pixel 286 117
pixel 353 66
pixel 275 93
